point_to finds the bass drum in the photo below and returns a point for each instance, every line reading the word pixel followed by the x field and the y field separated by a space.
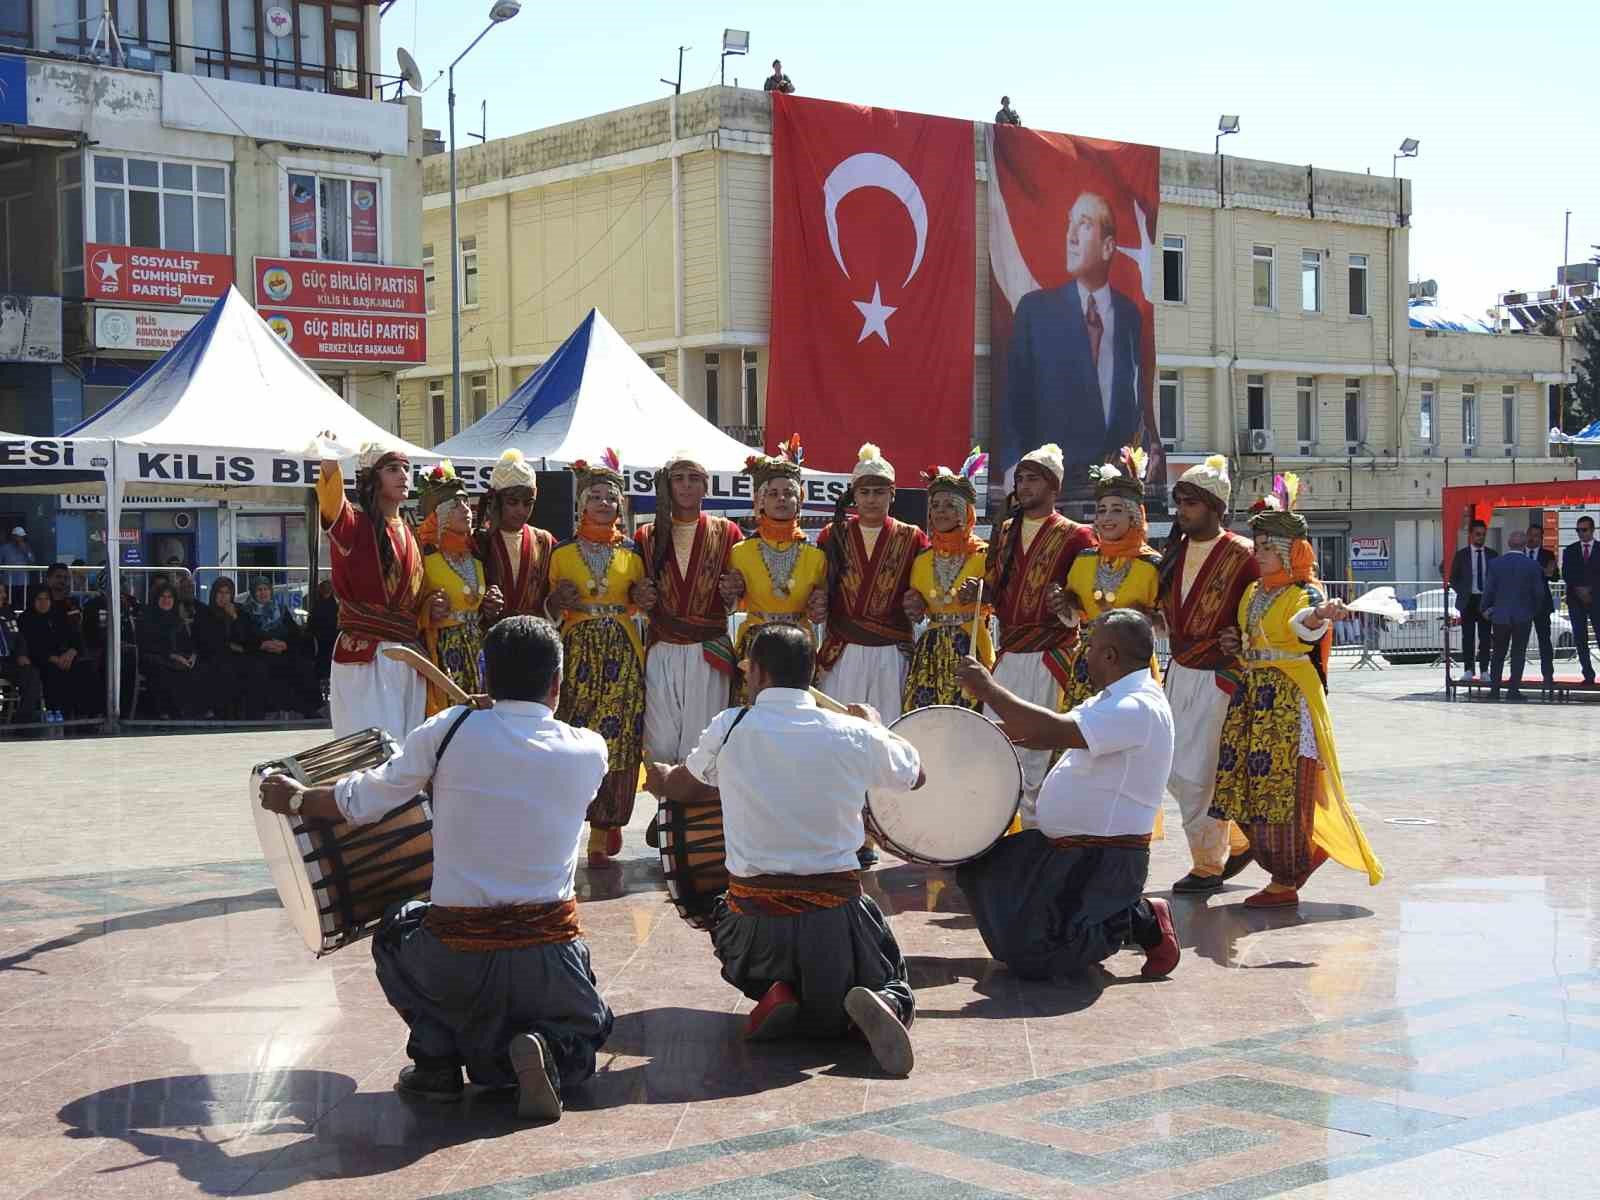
pixel 973 790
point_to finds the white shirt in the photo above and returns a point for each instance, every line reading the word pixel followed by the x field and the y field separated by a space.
pixel 1102 304
pixel 509 801
pixel 793 780
pixel 1113 788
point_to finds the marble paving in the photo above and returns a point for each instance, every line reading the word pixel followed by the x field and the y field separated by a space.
pixel 164 1033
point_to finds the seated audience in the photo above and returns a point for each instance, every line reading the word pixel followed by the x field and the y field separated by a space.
pixel 168 660
pixel 55 646
pixel 228 643
pixel 16 667
pixel 325 629
pixel 284 648
pixel 95 617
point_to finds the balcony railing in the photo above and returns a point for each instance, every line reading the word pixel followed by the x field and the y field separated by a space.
pixel 750 435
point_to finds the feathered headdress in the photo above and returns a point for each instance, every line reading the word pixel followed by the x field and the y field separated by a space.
pixel 958 483
pixel 607 470
pixel 1274 513
pixel 439 484
pixel 785 464
pixel 1125 477
pixel 792 450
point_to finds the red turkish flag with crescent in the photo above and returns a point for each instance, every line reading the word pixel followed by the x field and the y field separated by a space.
pixel 873 281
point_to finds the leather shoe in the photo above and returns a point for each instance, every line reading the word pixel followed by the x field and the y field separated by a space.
pixel 1268 899
pixel 775 1016
pixel 1160 959
pixel 1237 863
pixel 1192 884
pixel 430 1083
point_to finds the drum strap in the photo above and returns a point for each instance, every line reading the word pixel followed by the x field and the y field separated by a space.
pixel 449 736
pixel 734 725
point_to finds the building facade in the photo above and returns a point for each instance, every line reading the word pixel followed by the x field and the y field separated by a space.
pixel 143 174
pixel 1282 330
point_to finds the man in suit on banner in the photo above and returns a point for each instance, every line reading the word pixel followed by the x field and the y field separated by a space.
pixel 1073 362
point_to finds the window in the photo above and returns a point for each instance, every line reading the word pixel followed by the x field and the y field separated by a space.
pixel 1428 417
pixel 321 48
pixel 1172 272
pixel 713 361
pixel 752 388
pixel 1305 411
pixel 1355 413
pixel 69 182
pixel 145 23
pixel 158 203
pixel 16 23
pixel 436 410
pixel 657 364
pixel 1265 293
pixel 1169 401
pixel 1358 285
pixel 1310 281
pixel 334 218
pixel 1469 414
pixel 1508 412
pixel 479 393
pixel 430 277
pixel 1255 391
pixel 469 272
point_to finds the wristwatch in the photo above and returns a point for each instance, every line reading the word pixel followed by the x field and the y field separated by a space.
pixel 296 803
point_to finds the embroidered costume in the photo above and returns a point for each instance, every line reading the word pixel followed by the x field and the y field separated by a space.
pixel 689 661
pixel 1201 584
pixel 938 574
pixel 1278 766
pixel 780 568
pixel 515 561
pixel 603 674
pixel 867 646
pixel 454 641
pixel 380 593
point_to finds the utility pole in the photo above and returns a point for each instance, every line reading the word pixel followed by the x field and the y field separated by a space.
pixel 677 84
pixel 1561 325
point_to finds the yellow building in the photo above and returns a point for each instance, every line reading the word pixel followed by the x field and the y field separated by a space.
pixel 1282 328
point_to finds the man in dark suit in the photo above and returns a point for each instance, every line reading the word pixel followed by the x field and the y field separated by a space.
pixel 1580 567
pixel 1469 575
pixel 1073 363
pixel 1541 619
pixel 1514 595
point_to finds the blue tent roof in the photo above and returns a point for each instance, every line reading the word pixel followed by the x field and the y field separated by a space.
pixel 1425 314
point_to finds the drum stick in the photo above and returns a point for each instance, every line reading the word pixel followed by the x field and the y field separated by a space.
pixel 828 702
pixel 428 671
pixel 977 616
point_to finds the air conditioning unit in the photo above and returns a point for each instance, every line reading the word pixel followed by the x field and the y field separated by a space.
pixel 1262 442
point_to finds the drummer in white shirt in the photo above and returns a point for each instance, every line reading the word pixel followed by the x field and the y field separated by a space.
pixel 493 974
pixel 1069 894
pixel 794 932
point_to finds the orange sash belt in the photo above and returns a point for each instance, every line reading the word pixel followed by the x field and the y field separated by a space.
pixel 505 926
pixel 1083 841
pixel 791 895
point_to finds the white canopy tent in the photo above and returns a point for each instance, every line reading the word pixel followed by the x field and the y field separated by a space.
pixel 596 393
pixel 229 412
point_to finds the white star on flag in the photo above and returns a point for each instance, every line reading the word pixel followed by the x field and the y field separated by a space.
pixel 108 267
pixel 875 316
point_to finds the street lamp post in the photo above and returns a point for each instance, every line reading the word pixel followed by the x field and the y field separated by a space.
pixel 502 10
pixel 1227 123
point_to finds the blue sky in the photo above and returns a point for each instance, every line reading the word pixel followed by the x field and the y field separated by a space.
pixel 1494 92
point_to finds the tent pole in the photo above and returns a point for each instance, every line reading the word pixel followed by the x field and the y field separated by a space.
pixel 113 595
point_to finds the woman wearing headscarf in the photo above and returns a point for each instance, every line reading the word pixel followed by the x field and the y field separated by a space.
pixel 227 638
pixel 1278 768
pixel 454 640
pixel 284 652
pixel 168 659
pixel 956 556
pixel 595 588
pixel 55 646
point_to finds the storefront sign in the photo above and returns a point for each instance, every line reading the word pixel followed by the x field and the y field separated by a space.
pixel 132 498
pixel 1369 554
pixel 364 220
pixel 45 453
pixel 139 274
pixel 343 337
pixel 335 287
pixel 302 217
pixel 141 329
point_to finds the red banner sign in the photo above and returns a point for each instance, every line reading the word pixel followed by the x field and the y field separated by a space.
pixel 873 275
pixel 347 337
pixel 339 287
pixel 148 276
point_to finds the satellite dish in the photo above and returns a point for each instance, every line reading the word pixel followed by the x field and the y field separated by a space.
pixel 408 68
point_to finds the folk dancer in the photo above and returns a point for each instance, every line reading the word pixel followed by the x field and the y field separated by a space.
pixel 1120 571
pixel 595 582
pixel 955 556
pixel 493 973
pixel 454 640
pixel 1069 893
pixel 794 932
pixel 1278 766
pixel 867 646
pixel 689 665
pixel 377 575
pixel 515 553
pixel 1203 573
pixel 776 576
pixel 1025 572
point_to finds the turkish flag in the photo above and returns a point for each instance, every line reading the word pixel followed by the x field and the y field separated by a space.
pixel 873 279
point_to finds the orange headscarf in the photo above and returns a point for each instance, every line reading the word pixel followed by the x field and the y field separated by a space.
pixel 958 541
pixel 447 540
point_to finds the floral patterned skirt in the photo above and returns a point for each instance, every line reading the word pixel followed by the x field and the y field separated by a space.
pixel 1259 769
pixel 931 678
pixel 459 654
pixel 602 688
